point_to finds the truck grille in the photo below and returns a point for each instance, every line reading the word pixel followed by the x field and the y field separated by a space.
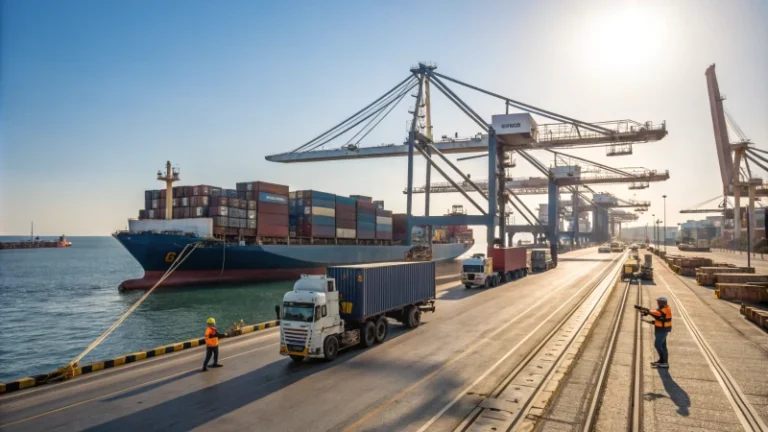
pixel 295 337
pixel 471 276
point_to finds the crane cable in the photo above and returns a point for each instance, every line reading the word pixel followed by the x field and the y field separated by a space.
pixel 68 371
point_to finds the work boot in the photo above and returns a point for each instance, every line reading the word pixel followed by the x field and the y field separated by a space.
pixel 205 369
pixel 655 363
pixel 663 365
pixel 217 365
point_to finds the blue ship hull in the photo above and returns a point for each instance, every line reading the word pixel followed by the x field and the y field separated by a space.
pixel 213 262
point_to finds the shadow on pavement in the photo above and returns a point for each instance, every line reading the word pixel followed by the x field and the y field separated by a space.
pixel 152 386
pixel 676 393
pixel 459 292
pixel 198 407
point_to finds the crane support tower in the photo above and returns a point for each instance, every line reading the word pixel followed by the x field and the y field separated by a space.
pixel 170 176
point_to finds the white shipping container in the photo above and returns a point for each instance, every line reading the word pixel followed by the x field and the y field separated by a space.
pixel 322 211
pixel 155 203
pixel 202 227
pixel 251 214
pixel 383 220
pixel 346 233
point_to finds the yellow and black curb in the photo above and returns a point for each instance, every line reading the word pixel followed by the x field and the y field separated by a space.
pixel 38 380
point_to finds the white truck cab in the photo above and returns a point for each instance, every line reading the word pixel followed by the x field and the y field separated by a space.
pixel 478 272
pixel 308 315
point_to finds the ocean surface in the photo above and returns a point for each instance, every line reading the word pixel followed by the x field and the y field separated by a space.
pixel 55 302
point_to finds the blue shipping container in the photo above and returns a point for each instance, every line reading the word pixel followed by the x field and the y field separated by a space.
pixel 383 228
pixel 323 196
pixel 373 289
pixel 344 200
pixel 366 218
pixel 323 203
pixel 323 220
pixel 272 198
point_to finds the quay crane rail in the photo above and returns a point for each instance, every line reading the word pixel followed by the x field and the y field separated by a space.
pixel 345 141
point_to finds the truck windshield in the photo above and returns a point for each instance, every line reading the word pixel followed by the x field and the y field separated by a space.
pixel 473 269
pixel 304 312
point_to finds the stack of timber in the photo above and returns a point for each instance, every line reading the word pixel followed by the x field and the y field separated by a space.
pixel 686 266
pixel 708 276
pixel 756 315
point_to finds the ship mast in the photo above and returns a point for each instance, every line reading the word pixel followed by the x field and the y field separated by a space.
pixel 171 175
pixel 31 230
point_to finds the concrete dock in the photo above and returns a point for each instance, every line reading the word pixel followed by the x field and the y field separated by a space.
pixel 434 377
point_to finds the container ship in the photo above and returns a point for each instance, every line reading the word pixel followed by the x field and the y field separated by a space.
pixel 262 232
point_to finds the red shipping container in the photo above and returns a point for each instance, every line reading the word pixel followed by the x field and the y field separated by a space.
pixel 201 190
pixel 383 235
pixel 344 208
pixel 273 219
pixel 161 204
pixel 188 191
pixel 273 208
pixel 162 193
pixel 247 232
pixel 220 201
pixel 350 224
pixel 271 188
pixel 346 215
pixel 508 259
pixel 266 230
pixel 231 231
pixel 199 201
pixel 178 191
pixel 218 211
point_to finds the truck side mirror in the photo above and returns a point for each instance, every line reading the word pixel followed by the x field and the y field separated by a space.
pixel 324 310
pixel 277 312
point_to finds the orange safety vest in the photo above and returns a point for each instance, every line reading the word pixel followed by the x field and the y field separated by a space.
pixel 662 318
pixel 211 341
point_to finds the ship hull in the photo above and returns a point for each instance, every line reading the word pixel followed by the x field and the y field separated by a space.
pixel 217 263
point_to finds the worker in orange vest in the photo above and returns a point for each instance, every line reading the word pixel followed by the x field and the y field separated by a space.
pixel 662 323
pixel 212 344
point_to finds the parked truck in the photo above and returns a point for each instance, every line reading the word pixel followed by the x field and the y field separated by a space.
pixel 541 260
pixel 500 266
pixel 350 306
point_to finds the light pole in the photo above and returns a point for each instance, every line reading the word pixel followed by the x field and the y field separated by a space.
pixel 665 223
pixel 654 230
pixel 646 231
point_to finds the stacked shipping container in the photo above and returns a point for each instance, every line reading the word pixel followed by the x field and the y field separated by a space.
pixel 315 214
pixel 383 224
pixel 366 220
pixel 346 218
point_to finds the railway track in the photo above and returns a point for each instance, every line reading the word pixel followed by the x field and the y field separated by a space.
pixel 510 402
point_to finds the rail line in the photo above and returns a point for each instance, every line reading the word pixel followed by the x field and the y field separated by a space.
pixel 508 402
pixel 634 422
pixel 749 417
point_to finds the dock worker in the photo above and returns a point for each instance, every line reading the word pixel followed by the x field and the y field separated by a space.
pixel 662 323
pixel 212 336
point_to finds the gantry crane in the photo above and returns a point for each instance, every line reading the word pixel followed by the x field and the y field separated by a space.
pixel 510 132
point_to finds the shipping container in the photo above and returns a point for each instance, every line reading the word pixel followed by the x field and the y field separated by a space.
pixel 156 194
pixel 316 202
pixel 184 202
pixel 317 231
pixel 379 204
pixel 344 223
pixel 382 212
pixel 148 195
pixel 267 229
pixel 251 214
pixel 374 289
pixel 199 201
pixel 322 220
pixel 221 221
pixel 271 208
pixel 162 194
pixel 247 232
pixel 381 220
pixel 243 204
pixel 507 260
pixel 251 224
pixel 347 201
pixel 201 190
pixel 367 218
pixel 320 211
pixel 252 204
pixel 215 191
pixel 266 197
pixel 346 233
pixel 218 211
pixel 174 202
pixel 234 202
pixel 142 214
pixel 197 212
pixel 220 201
pixel 243 195
pixel 362 198
pixel 229 193
pixel 155 204
pixel 185 212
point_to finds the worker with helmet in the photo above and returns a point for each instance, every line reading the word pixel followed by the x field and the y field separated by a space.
pixel 662 322
pixel 212 344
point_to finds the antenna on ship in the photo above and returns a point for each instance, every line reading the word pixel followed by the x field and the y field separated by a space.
pixel 171 175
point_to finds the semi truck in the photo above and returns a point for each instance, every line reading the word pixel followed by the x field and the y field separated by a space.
pixel 351 306
pixel 500 266
pixel 541 260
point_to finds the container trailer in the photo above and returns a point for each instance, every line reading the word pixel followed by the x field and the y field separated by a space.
pixel 350 306
pixel 500 266
pixel 541 260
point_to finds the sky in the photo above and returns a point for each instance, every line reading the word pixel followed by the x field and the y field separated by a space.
pixel 95 96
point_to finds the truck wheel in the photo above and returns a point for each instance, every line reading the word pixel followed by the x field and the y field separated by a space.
pixel 510 276
pixel 382 328
pixel 414 317
pixel 487 282
pixel 297 359
pixel 467 286
pixel 368 334
pixel 331 348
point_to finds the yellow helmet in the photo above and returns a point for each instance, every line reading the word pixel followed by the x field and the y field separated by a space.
pixel 211 321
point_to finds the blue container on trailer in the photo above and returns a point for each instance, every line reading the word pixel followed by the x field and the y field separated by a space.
pixel 373 289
